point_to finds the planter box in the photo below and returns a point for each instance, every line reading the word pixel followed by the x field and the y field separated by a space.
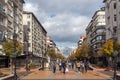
pixel 9 77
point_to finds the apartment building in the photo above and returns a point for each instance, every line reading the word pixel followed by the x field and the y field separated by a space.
pixel 10 23
pixel 2 19
pixel 11 19
pixel 95 31
pixel 112 10
pixel 82 38
pixel 36 37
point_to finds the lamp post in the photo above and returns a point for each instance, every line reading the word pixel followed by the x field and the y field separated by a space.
pixel 15 54
pixel 115 53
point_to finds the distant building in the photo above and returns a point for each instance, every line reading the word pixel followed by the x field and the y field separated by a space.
pixel 82 38
pixel 51 45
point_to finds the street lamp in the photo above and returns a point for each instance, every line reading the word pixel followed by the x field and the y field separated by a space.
pixel 15 53
pixel 115 53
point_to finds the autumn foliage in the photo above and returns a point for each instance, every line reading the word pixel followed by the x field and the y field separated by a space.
pixel 10 49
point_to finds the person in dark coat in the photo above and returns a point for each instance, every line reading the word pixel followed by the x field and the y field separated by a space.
pixel 54 66
pixel 64 66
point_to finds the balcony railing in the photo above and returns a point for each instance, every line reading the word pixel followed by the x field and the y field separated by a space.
pixel 2 10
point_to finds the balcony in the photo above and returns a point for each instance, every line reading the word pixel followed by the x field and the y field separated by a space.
pixel 2 23
pixel 2 11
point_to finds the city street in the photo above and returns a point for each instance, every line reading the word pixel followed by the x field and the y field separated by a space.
pixel 71 75
pixel 59 40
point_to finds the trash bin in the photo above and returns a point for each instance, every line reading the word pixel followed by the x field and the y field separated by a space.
pixel 118 76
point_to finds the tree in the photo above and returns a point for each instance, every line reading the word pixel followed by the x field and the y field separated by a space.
pixel 51 53
pixel 60 56
pixel 72 57
pixel 108 48
pixel 84 50
pixel 10 50
pixel 118 48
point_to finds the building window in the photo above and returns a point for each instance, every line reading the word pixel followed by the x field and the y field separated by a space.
pixel 28 16
pixel 115 30
pixel 114 5
pixel 9 12
pixel 115 17
pixel 1 20
pixel 9 24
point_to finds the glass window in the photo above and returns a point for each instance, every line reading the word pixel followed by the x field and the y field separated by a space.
pixel 115 17
pixel 114 5
pixel 9 12
pixel 9 24
pixel 28 16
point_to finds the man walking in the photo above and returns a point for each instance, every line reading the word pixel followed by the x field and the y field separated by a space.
pixel 64 66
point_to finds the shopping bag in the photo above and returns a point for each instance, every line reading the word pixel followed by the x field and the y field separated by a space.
pixel 67 70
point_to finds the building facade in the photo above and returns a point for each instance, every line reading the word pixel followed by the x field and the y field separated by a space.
pixel 10 22
pixel 82 38
pixel 95 31
pixel 112 10
pixel 34 36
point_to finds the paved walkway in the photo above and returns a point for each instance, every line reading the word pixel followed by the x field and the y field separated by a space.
pixel 71 75
pixel 36 74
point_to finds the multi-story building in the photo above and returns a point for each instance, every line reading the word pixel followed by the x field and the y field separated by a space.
pixel 82 38
pixel 95 31
pixel 11 20
pixel 112 17
pixel 36 37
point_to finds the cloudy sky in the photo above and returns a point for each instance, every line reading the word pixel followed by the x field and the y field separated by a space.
pixel 64 20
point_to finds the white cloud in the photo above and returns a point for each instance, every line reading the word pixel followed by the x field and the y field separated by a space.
pixel 64 20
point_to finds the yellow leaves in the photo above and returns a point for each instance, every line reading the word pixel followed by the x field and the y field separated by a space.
pixel 108 48
pixel 9 48
pixel 82 51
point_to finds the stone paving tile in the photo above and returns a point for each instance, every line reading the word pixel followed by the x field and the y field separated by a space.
pixel 67 75
pixel 94 75
pixel 38 75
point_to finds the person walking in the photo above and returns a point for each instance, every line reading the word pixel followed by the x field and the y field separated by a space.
pixel 86 65
pixel 72 64
pixel 53 66
pixel 82 66
pixel 64 66
pixel 78 65
pixel 60 66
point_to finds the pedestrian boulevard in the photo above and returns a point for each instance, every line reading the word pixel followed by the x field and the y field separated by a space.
pixel 71 75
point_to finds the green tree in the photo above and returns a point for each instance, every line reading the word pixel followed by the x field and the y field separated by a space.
pixel 60 56
pixel 10 50
pixel 51 53
pixel 84 52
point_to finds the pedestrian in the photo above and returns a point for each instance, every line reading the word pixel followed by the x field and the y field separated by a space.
pixel 64 66
pixel 54 67
pixel 60 66
pixel 78 65
pixel 72 64
pixel 82 67
pixel 27 67
pixel 86 65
